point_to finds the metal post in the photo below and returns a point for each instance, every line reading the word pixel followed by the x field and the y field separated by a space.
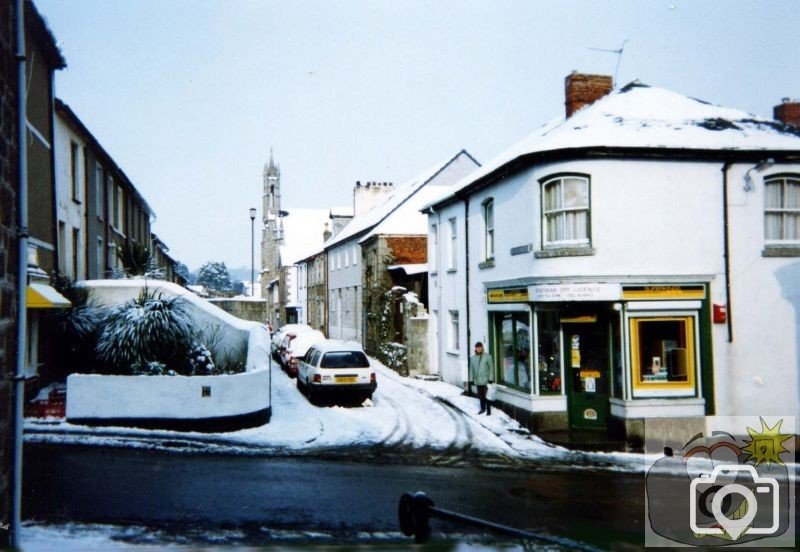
pixel 252 252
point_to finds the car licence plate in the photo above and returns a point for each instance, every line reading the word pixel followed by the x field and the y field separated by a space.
pixel 346 379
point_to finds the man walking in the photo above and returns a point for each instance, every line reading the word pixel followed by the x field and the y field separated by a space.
pixel 481 369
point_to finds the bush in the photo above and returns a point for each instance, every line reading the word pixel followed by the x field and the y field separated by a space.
pixel 148 329
pixel 74 330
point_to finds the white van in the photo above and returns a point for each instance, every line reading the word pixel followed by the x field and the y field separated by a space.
pixel 336 368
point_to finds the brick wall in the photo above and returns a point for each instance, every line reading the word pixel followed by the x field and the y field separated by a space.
pixel 408 249
pixel 8 257
pixel 581 90
pixel 788 112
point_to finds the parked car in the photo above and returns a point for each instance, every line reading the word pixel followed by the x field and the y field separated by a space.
pixel 295 346
pixel 336 368
pixel 280 333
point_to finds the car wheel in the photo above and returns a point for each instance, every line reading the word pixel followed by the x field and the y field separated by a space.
pixel 310 393
pixel 299 384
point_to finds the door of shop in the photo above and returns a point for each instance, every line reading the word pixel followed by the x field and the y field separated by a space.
pixel 587 371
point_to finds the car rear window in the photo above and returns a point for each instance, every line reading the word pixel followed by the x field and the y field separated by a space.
pixel 345 359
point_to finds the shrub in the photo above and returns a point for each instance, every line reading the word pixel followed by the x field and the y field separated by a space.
pixel 74 330
pixel 148 329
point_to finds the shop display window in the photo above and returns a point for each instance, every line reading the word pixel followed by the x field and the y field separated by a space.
pixel 549 355
pixel 513 337
pixel 662 351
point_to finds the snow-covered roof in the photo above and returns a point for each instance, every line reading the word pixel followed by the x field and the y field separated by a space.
pixel 342 211
pixel 394 201
pixel 411 269
pixel 302 233
pixel 647 117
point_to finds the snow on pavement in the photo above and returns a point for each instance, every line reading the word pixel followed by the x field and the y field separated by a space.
pixel 404 413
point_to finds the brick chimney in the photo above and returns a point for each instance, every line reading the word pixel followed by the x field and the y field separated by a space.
pixel 787 112
pixel 581 90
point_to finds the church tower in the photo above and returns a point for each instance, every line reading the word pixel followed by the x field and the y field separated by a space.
pixel 272 229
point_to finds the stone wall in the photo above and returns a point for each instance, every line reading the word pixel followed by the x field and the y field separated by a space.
pixel 8 259
pixel 255 311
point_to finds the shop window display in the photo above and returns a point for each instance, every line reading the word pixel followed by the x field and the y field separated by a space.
pixel 663 352
pixel 514 341
pixel 549 356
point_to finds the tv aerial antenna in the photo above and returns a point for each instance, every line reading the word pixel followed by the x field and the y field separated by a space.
pixel 618 51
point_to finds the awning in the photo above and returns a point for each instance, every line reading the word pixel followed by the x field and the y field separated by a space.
pixel 411 269
pixel 42 296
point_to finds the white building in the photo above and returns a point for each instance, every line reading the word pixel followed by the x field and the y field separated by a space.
pixel 70 177
pixel 345 277
pixel 638 259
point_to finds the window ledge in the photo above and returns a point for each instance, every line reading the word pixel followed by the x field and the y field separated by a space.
pixel 564 252
pixel 488 263
pixel 451 270
pixel 781 251
pixel 453 353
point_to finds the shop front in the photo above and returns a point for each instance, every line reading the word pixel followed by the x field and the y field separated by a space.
pixel 602 356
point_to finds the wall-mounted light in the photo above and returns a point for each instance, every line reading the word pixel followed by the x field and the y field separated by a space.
pixel 760 166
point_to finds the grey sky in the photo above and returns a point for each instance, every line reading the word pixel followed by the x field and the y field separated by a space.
pixel 189 96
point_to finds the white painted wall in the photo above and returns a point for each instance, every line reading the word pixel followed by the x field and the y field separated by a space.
pixel 649 219
pixel 173 397
pixel 72 213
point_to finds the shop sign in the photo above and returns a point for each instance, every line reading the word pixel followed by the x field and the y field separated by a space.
pixel 575 292
pixel 516 295
pixel 696 291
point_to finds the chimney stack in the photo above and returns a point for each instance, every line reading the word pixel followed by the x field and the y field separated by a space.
pixel 581 90
pixel 788 111
pixel 326 234
pixel 366 196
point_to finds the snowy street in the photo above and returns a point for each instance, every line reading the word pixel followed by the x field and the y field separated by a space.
pixel 430 418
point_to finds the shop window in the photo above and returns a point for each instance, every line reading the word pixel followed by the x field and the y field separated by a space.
pixel 514 348
pixel 782 210
pixel 565 212
pixel 662 354
pixel 549 356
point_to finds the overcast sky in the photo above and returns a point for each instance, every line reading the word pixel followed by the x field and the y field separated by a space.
pixel 189 96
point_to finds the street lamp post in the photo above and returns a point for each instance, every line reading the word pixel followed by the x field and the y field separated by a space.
pixel 252 251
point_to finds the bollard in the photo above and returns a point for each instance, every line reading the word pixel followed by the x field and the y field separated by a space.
pixel 415 511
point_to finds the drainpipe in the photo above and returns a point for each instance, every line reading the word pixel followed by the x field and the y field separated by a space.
pixel 726 248
pixel 22 275
pixel 466 272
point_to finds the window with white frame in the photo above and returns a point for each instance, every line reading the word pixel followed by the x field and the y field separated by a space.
pixel 488 229
pixel 782 210
pixel 451 245
pixel 453 333
pixel 356 254
pixel 565 211
pixel 74 171
pixel 434 249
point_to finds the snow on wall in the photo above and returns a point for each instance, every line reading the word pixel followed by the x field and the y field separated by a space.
pixel 234 333
pixel 179 397
pixel 170 397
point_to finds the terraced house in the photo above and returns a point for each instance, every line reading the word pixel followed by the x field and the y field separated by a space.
pixel 636 259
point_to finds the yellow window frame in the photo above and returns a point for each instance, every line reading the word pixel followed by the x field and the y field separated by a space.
pixel 636 367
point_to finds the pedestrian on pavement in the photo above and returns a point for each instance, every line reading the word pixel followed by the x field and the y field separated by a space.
pixel 481 368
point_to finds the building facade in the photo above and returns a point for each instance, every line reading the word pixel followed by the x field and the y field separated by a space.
pixel 624 265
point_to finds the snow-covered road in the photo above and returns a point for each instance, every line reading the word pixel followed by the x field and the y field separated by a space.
pixel 405 414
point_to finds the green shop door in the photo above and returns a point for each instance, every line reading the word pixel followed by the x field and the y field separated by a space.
pixel 587 372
